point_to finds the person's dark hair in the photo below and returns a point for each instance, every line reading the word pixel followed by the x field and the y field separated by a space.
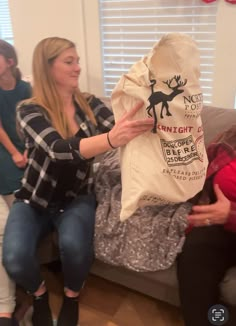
pixel 8 52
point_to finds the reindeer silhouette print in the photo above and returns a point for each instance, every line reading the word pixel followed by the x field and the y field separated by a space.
pixel 160 97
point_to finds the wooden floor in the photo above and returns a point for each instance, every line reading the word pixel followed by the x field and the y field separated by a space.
pixel 106 304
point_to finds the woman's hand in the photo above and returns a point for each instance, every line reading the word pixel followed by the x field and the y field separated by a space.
pixel 123 131
pixel 216 213
pixel 19 159
pixel 126 129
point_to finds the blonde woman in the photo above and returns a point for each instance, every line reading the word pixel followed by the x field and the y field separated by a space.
pixel 63 131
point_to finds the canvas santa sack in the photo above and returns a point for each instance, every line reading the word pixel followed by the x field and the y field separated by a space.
pixel 167 165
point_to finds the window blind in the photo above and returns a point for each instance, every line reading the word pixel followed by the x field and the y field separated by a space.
pixel 5 22
pixel 129 28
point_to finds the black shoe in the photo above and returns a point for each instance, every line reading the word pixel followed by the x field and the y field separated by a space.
pixel 42 314
pixel 69 314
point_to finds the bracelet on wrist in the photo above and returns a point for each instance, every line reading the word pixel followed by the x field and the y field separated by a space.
pixel 109 142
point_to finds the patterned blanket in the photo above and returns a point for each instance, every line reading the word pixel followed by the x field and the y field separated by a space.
pixel 149 240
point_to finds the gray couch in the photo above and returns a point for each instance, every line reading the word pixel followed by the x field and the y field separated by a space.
pixel 162 285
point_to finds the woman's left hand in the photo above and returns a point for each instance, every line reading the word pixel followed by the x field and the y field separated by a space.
pixel 216 213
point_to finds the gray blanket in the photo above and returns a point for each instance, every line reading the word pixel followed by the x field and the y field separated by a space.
pixel 149 240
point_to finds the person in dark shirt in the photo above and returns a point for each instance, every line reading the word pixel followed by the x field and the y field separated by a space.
pixel 63 130
pixel 209 250
pixel 12 151
pixel 12 157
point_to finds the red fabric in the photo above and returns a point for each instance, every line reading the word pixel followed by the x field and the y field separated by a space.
pixel 226 179
pixel 220 155
pixel 231 1
pixel 231 223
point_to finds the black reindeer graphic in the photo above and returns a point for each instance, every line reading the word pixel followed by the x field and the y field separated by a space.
pixel 160 97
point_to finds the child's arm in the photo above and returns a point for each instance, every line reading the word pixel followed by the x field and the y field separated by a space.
pixel 17 157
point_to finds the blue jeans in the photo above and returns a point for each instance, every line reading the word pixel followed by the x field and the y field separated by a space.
pixel 25 228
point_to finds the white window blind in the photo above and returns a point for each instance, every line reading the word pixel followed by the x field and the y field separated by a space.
pixel 129 28
pixel 5 22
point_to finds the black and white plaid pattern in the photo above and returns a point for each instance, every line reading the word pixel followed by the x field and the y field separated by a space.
pixel 47 149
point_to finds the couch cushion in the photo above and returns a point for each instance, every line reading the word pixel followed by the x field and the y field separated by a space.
pixel 161 285
pixel 216 120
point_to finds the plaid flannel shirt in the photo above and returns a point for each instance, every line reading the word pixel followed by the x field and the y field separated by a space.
pixel 220 153
pixel 46 149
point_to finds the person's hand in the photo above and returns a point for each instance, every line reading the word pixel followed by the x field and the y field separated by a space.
pixel 19 159
pixel 216 213
pixel 126 129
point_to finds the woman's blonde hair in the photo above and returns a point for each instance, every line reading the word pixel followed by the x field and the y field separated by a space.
pixel 45 92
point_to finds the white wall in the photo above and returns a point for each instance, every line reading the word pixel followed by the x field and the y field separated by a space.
pixel 78 20
pixel 34 20
pixel 225 63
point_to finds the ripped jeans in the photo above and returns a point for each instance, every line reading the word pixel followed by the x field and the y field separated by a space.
pixel 25 228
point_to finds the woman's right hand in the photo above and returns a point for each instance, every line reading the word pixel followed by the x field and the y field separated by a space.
pixel 19 159
pixel 125 129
